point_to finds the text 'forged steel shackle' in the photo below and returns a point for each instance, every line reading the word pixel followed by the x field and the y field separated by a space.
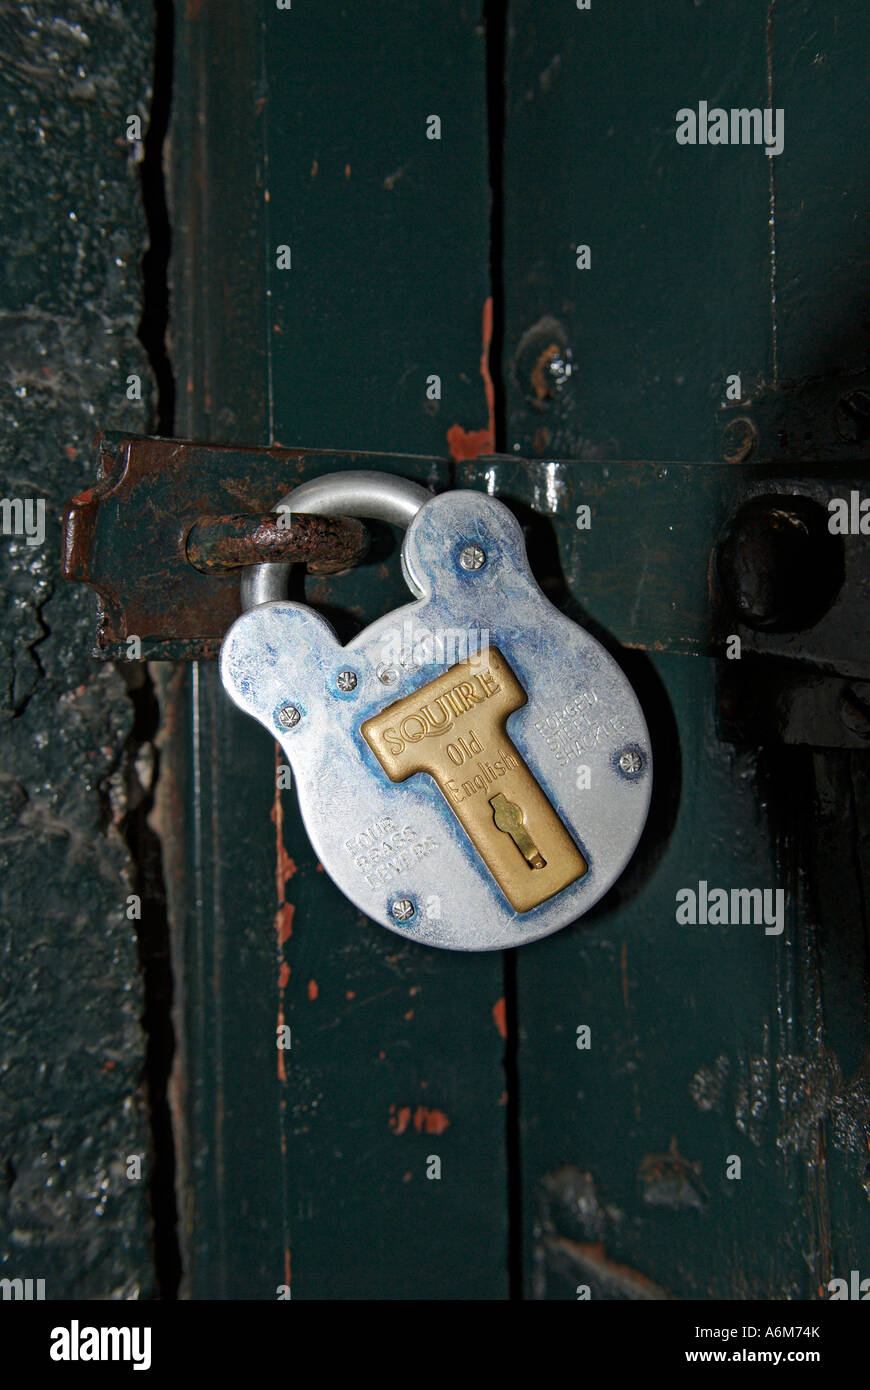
pixel 473 769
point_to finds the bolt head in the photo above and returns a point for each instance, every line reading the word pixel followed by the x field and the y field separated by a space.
pixel 630 762
pixel 347 680
pixel 559 367
pixel 472 557
pixel 288 716
pixel 402 909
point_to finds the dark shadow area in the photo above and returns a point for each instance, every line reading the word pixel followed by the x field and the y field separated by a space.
pixel 155 962
pixel 153 927
pixel 154 324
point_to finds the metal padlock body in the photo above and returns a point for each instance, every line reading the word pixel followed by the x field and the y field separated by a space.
pixel 386 843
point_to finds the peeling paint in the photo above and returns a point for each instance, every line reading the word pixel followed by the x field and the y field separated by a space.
pixel 430 1121
pixel 499 1017
pixel 469 444
pixel 285 868
pixel 425 1121
pixel 400 1118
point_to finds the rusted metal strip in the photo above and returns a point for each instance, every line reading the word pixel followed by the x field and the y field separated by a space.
pixel 161 533
pixel 327 544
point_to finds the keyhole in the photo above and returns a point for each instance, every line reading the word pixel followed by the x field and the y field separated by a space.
pixel 509 818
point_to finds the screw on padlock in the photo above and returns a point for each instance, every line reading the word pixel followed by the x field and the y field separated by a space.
pixel 474 768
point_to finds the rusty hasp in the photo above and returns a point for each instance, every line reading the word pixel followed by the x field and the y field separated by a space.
pixel 163 533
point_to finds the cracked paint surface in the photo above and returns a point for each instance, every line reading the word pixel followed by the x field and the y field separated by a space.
pixel 71 1043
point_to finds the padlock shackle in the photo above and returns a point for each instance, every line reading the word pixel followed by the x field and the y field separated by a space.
pixel 361 493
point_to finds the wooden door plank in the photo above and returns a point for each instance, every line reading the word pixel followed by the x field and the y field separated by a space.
pixel 707 1042
pixel 307 128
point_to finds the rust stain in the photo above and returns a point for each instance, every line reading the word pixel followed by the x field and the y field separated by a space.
pixel 347 171
pixel 541 381
pixel 499 1016
pixel 313 989
pixel 283 975
pixel 215 544
pixel 409 1015
pixel 469 444
pixel 314 167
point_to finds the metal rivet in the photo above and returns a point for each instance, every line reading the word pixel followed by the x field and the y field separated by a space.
pixel 347 680
pixel 630 762
pixel 288 716
pixel 472 557
pixel 402 909
pixel 387 675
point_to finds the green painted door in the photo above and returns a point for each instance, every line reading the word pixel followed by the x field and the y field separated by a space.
pixel 396 231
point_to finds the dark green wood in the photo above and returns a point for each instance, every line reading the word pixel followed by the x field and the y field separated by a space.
pixel 706 1041
pixel 388 230
pixel 678 235
pixel 324 1173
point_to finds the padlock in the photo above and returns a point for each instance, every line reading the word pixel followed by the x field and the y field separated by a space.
pixel 473 769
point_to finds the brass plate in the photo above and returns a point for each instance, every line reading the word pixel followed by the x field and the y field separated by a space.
pixel 454 730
